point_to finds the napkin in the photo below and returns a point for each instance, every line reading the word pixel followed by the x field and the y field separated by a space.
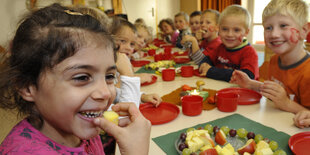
pixel 236 121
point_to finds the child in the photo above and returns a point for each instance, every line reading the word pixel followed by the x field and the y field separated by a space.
pixel 144 35
pixel 169 32
pixel 125 35
pixel 235 53
pixel 286 26
pixel 61 74
pixel 302 119
pixel 194 22
pixel 181 21
pixel 209 32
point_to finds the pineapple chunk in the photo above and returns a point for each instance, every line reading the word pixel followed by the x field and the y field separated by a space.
pixel 111 116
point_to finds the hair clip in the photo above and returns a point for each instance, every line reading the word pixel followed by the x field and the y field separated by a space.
pixel 73 13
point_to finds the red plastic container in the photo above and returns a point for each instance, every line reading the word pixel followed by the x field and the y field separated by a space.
pixel 158 57
pixel 168 74
pixel 187 71
pixel 227 102
pixel 191 105
pixel 151 52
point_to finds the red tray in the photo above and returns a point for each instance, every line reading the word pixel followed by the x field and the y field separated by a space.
pixel 246 96
pixel 154 79
pixel 300 143
pixel 139 63
pixel 181 60
pixel 164 113
pixel 180 54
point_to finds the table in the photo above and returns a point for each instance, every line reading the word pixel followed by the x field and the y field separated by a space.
pixel 264 112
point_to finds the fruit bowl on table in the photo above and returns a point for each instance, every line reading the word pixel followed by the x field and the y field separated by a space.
pixel 214 139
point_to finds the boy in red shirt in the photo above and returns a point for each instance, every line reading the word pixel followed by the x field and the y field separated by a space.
pixel 235 52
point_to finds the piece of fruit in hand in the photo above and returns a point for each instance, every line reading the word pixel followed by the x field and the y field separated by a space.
pixel 111 116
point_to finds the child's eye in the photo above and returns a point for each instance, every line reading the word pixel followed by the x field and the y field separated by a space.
pixel 132 44
pixel 81 78
pixel 123 41
pixel 283 25
pixel 268 28
pixel 110 78
pixel 237 30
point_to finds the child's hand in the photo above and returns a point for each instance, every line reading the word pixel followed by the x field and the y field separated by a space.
pixel 123 65
pixel 188 38
pixel 133 132
pixel 302 119
pixel 152 98
pixel 240 78
pixel 204 68
pixel 199 34
pixel 145 77
pixel 276 93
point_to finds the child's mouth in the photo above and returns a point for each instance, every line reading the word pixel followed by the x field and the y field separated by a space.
pixel 91 114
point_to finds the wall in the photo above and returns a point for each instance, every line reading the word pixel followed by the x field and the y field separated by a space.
pixel 10 14
pixel 190 6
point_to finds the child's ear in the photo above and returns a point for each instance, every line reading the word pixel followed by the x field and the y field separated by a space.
pixel 306 30
pixel 28 93
pixel 247 32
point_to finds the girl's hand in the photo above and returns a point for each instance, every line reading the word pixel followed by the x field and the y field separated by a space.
pixel 302 119
pixel 133 134
pixel 145 77
pixel 240 78
pixel 277 94
pixel 123 65
pixel 153 98
pixel 204 68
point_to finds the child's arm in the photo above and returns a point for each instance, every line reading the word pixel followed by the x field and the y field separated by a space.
pixel 129 90
pixel 144 77
pixel 193 40
pixel 133 132
pixel 242 79
pixel 153 98
pixel 123 65
pixel 277 94
pixel 302 119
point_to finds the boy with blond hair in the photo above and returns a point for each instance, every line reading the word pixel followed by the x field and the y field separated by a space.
pixel 235 52
pixel 209 33
pixel 181 21
pixel 285 28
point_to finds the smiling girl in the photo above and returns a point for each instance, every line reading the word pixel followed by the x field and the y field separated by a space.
pixel 61 74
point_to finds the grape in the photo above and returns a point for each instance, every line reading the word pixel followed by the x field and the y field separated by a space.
pixel 258 138
pixel 186 151
pixel 183 136
pixel 279 152
pixel 232 132
pixel 190 129
pixel 251 135
pixel 215 129
pixel 209 128
pixel 273 145
pixel 242 133
pixel 182 146
pixel 225 129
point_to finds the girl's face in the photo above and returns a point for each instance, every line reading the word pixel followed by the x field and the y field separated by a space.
pixel 142 38
pixel 194 23
pixel 167 29
pixel 126 39
pixel 74 92
pixel 281 33
pixel 180 23
pixel 208 25
pixel 232 31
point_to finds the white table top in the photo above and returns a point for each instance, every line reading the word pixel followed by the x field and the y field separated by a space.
pixel 263 112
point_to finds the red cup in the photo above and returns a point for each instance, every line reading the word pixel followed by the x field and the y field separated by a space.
pixel 227 102
pixel 191 105
pixel 158 57
pixel 168 74
pixel 187 71
pixel 151 52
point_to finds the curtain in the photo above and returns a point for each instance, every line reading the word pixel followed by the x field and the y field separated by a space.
pixel 219 5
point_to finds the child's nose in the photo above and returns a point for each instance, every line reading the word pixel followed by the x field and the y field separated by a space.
pixel 102 91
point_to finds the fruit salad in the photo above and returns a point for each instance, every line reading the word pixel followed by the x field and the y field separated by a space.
pixel 214 140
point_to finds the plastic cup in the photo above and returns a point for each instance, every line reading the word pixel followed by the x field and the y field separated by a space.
pixel 187 71
pixel 227 102
pixel 168 74
pixel 191 105
pixel 151 52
